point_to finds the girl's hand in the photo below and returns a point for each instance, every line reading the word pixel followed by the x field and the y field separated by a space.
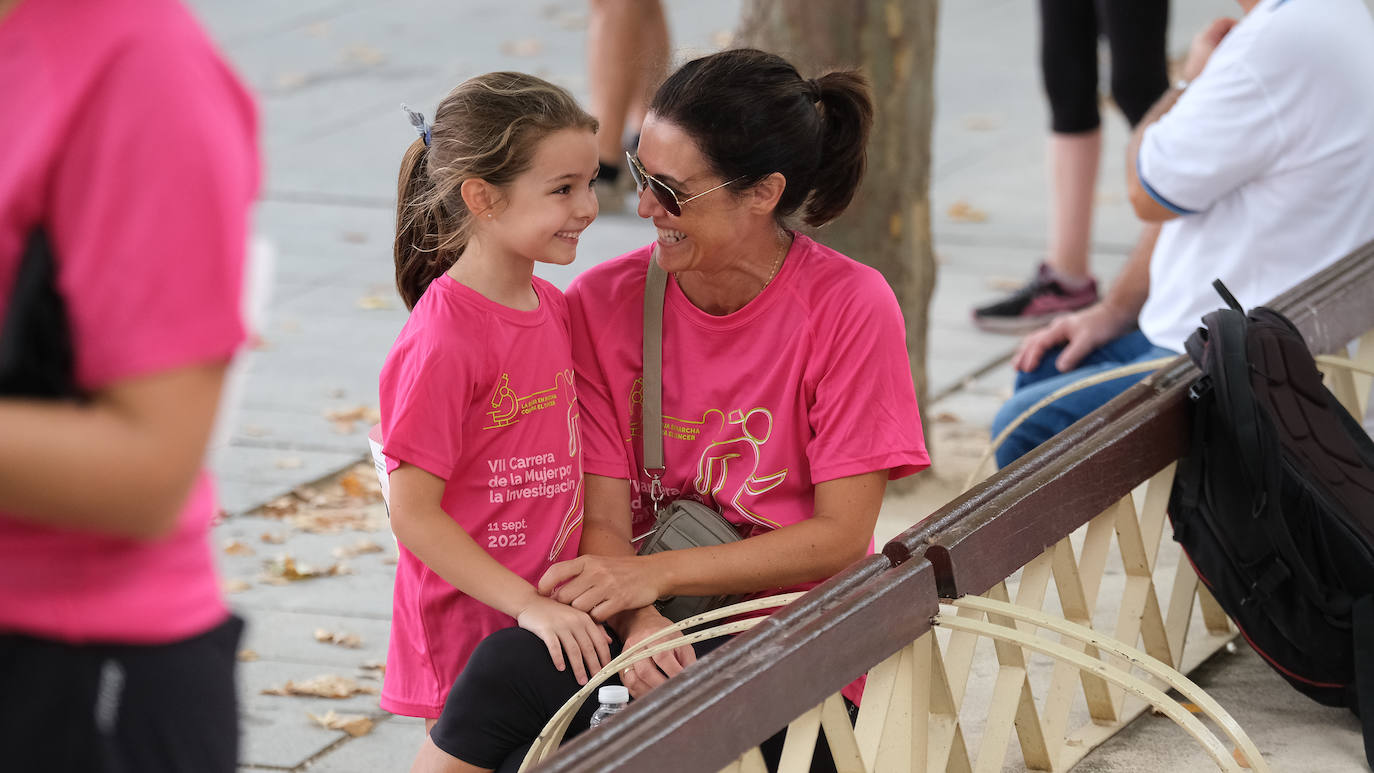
pixel 601 586
pixel 565 629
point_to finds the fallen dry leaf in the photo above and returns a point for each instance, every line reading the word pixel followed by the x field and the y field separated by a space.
pixel 1239 757
pixel 353 724
pixel 945 417
pixel 1004 283
pixel 340 638
pixel 309 495
pixel 523 47
pixel 351 485
pixel 373 665
pixel 1191 707
pixel 236 586
pixel 373 302
pixel 982 123
pixel 281 506
pixel 273 538
pixel 284 568
pixel 963 212
pixel 571 20
pixel 253 430
pixel 236 548
pixel 247 656
pixel 326 686
pixel 289 463
pixel 354 413
pixel 290 81
pixel 364 55
pixel 333 521
pixel 361 547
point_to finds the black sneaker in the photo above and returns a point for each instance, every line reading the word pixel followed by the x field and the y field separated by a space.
pixel 1034 305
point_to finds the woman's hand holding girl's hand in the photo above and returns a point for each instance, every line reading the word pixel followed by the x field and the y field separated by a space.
pixel 601 586
pixel 565 629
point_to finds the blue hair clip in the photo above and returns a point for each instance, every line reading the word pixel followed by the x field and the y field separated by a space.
pixel 418 121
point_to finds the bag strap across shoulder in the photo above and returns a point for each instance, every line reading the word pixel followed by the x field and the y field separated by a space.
pixel 651 422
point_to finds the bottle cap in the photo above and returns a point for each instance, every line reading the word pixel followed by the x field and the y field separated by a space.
pixel 613 693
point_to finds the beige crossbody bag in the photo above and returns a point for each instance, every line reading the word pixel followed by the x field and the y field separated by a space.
pixel 678 523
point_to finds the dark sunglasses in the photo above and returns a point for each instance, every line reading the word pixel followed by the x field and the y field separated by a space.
pixel 665 195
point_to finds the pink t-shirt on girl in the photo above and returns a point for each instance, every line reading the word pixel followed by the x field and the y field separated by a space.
pixel 807 383
pixel 482 396
pixel 127 138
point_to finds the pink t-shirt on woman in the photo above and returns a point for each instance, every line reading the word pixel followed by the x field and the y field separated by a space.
pixel 809 382
pixel 130 142
pixel 482 396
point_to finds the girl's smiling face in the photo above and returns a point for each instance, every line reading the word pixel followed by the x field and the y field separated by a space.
pixel 543 212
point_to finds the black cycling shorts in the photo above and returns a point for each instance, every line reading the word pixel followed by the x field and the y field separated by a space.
pixel 120 708
pixel 509 690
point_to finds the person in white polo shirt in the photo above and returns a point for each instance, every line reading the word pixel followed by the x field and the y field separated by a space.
pixel 1260 166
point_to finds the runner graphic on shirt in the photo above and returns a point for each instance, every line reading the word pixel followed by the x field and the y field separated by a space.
pixel 565 383
pixel 730 467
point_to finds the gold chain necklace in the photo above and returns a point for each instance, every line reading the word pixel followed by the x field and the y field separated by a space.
pixel 777 260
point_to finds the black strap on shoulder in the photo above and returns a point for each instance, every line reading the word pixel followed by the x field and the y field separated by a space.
pixel 1362 625
pixel 36 355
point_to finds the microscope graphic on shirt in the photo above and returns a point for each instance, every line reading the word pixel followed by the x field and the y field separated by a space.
pixel 730 467
pixel 504 402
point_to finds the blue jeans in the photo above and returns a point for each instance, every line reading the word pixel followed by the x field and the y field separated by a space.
pixel 1047 422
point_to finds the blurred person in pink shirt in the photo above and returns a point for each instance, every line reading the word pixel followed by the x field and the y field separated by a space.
pixel 130 165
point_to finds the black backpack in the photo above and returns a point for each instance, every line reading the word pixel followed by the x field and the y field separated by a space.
pixel 1274 505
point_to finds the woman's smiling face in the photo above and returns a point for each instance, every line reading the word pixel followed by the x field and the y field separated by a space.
pixel 701 238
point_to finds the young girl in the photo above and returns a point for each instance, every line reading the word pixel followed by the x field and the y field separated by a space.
pixel 479 411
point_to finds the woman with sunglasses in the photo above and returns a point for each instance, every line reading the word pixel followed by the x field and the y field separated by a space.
pixel 787 395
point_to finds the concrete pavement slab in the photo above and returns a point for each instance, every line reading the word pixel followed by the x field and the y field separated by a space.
pixel 385 748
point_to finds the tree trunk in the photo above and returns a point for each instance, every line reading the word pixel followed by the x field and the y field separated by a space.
pixel 892 42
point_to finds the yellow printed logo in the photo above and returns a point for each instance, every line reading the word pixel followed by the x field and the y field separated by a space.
pixel 507 408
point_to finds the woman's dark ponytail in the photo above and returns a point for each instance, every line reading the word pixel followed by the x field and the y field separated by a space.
pixel 846 118
pixel 752 114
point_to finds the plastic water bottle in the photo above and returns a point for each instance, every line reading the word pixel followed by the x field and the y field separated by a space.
pixel 614 698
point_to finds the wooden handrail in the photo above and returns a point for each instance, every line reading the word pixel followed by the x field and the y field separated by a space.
pixel 753 686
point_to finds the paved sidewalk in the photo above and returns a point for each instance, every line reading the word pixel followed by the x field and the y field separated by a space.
pixel 330 75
